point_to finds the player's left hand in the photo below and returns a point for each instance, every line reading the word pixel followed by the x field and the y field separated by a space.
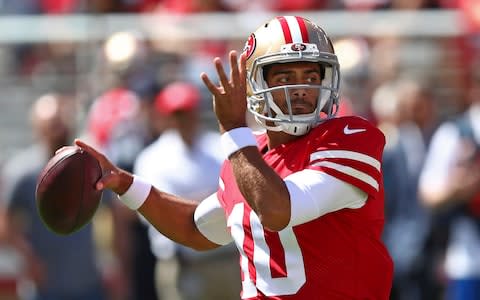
pixel 229 99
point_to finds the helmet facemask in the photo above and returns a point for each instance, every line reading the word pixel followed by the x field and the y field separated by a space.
pixel 260 101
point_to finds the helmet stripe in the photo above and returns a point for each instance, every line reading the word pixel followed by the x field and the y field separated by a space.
pixel 286 30
pixel 303 29
pixel 295 30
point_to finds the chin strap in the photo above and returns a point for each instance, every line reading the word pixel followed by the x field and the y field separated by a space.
pixel 289 128
pixel 296 128
pixel 263 123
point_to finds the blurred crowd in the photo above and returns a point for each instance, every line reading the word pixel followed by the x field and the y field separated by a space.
pixel 196 6
pixel 137 101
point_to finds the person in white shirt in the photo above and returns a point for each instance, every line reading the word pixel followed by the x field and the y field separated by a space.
pixel 185 160
pixel 450 185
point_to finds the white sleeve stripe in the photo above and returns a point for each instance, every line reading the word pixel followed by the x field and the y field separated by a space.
pixel 346 154
pixel 349 171
pixel 221 184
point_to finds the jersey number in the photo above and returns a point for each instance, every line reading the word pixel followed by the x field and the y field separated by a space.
pixel 292 257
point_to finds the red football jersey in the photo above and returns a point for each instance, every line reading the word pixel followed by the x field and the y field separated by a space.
pixel 336 256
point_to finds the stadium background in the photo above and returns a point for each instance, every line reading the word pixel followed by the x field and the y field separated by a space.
pixel 62 47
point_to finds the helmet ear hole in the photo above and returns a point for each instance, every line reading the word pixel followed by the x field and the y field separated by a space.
pixel 265 71
pixel 322 71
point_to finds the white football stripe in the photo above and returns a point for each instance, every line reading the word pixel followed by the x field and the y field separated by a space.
pixel 346 154
pixel 349 171
pixel 294 29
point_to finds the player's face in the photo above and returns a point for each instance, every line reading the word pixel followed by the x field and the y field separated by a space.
pixel 303 100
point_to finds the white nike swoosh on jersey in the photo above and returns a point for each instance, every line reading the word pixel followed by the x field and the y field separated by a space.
pixel 347 130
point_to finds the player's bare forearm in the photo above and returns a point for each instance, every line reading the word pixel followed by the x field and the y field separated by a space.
pixel 264 190
pixel 173 217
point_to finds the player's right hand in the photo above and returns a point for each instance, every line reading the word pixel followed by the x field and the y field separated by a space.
pixel 229 96
pixel 113 178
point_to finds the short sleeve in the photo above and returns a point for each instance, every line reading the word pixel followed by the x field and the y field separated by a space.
pixel 352 152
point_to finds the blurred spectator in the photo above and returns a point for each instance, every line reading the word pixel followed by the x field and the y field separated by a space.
pixel 363 4
pixel 48 259
pixel 385 52
pixel 419 118
pixel 127 140
pixel 122 54
pixel 417 123
pixel 113 107
pixel 186 156
pixel 121 6
pixel 411 4
pixel 353 55
pixel 390 4
pixel 404 112
pixel 298 5
pixel 48 109
pixel 137 73
pixel 130 73
pixel 129 137
pixel 450 187
pixel 60 6
pixel 280 5
pixel 245 5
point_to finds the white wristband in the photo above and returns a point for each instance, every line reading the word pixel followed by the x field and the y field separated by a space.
pixel 236 139
pixel 136 194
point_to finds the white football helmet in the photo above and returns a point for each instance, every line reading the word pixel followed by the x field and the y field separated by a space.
pixel 289 39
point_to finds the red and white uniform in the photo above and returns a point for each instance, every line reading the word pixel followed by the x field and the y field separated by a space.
pixel 338 255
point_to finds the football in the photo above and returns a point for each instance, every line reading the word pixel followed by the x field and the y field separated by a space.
pixel 66 197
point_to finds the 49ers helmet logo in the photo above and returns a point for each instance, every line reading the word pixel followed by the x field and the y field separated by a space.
pixel 250 45
pixel 299 47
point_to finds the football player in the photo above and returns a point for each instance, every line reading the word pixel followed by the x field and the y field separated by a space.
pixel 302 201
